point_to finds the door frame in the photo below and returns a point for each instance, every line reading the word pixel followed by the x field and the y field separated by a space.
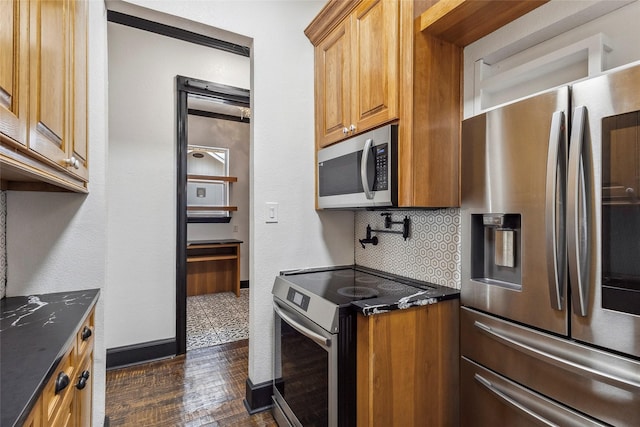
pixel 227 95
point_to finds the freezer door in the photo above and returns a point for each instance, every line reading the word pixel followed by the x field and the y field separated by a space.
pixel 603 207
pixel 490 400
pixel 512 188
pixel 602 385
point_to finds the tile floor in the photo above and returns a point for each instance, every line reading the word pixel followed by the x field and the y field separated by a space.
pixel 218 318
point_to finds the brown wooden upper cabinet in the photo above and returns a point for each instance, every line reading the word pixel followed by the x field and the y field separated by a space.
pixel 400 61
pixel 43 95
pixel 373 67
pixel 357 72
pixel 14 70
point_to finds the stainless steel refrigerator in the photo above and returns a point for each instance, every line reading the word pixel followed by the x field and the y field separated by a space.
pixel 550 324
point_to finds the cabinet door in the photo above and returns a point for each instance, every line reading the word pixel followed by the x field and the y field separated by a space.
pixel 48 82
pixel 84 395
pixel 35 416
pixel 64 416
pixel 57 405
pixel 333 86
pixel 78 135
pixel 14 69
pixel 374 63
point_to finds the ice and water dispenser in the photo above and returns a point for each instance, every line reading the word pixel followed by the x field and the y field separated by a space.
pixel 496 249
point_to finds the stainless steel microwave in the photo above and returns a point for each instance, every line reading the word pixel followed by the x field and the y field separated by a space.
pixel 360 172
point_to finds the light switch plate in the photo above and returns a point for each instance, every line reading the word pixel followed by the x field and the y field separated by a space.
pixel 271 212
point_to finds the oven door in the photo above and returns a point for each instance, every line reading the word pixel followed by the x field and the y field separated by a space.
pixel 305 389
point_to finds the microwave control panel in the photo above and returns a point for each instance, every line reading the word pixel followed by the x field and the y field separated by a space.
pixel 381 159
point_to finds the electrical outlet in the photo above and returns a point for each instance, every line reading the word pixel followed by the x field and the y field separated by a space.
pixel 235 228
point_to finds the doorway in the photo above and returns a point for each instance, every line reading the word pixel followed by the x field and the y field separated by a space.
pixel 212 295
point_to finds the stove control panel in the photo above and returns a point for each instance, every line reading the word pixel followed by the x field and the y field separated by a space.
pixel 298 298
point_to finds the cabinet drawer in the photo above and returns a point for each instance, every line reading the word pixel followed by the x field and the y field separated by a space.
pixel 55 402
pixel 489 399
pixel 591 381
pixel 84 337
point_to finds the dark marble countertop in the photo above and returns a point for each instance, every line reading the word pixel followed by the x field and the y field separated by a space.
pixel 35 331
pixel 425 293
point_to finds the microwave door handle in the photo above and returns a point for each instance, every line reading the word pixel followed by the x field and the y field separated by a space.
pixel 578 202
pixel 363 168
pixel 554 210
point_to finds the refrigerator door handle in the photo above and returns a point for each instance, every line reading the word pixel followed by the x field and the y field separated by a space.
pixel 513 402
pixel 577 226
pixel 568 365
pixel 554 210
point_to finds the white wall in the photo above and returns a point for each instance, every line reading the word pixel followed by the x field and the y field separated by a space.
pixel 282 171
pixel 57 241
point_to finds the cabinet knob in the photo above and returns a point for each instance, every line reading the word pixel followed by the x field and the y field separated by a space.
pixel 352 128
pixel 86 333
pixel 61 382
pixel 345 131
pixel 82 380
pixel 72 162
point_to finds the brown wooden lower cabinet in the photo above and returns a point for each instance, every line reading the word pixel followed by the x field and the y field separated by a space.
pixel 213 267
pixel 407 367
pixel 71 405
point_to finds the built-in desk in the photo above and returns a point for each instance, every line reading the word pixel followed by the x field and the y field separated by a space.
pixel 213 266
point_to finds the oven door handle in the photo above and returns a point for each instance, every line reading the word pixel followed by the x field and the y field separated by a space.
pixel 326 342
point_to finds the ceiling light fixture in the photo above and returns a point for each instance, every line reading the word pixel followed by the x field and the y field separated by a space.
pixel 245 113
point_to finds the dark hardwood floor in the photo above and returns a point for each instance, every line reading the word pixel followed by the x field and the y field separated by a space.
pixel 204 388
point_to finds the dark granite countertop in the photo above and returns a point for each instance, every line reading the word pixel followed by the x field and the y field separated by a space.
pixel 34 332
pixel 425 293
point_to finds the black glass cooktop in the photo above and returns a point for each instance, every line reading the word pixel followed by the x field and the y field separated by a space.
pixel 342 286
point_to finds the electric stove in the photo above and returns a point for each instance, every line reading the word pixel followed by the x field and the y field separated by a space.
pixel 315 329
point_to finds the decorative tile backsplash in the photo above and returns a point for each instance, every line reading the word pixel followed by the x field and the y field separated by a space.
pixel 3 243
pixel 431 253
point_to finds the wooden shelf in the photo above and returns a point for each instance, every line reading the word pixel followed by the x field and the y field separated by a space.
pixel 211 258
pixel 462 22
pixel 212 178
pixel 212 208
pixel 213 267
